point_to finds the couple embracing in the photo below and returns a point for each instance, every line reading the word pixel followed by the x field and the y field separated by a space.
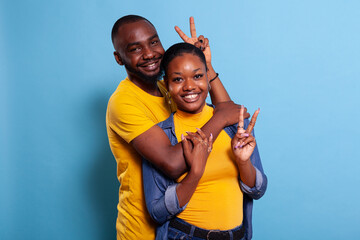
pixel 187 170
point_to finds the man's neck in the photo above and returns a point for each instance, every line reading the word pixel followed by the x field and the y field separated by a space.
pixel 150 88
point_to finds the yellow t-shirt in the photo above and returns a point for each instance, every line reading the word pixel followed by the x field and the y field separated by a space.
pixel 217 202
pixel 130 112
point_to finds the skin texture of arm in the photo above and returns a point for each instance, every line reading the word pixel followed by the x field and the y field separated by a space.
pixel 155 146
pixel 196 158
pixel 170 159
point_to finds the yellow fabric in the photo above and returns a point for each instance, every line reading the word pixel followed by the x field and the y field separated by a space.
pixel 218 201
pixel 130 112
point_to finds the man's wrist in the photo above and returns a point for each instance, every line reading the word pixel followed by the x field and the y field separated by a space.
pixel 217 117
pixel 211 71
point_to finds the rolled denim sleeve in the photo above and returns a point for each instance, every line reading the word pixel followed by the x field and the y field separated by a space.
pixel 259 189
pixel 160 194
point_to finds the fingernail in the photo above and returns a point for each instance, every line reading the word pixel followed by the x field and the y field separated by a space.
pixel 259 109
pixel 182 137
pixel 241 146
pixel 237 145
pixel 244 134
pixel 198 129
pixel 211 135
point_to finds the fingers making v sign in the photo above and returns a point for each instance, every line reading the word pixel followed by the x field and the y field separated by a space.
pixel 200 42
pixel 243 143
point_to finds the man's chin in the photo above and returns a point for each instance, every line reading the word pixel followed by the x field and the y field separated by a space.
pixel 148 78
pixel 151 78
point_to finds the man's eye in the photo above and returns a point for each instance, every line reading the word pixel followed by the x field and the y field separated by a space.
pixel 154 42
pixel 197 76
pixel 135 49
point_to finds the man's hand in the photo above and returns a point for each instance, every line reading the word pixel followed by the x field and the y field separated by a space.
pixel 229 112
pixel 200 42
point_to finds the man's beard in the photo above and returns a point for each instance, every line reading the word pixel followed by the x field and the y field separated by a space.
pixel 152 79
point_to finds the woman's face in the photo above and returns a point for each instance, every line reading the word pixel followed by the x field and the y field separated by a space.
pixel 187 82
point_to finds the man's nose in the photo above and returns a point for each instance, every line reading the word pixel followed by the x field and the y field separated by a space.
pixel 148 53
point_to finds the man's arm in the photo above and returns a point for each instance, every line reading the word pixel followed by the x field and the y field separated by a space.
pixel 218 92
pixel 155 146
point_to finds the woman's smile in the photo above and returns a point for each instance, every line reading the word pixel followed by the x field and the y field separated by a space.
pixel 186 78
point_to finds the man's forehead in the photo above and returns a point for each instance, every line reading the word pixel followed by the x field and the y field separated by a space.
pixel 136 32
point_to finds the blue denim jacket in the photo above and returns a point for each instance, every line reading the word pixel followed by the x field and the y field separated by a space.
pixel 160 191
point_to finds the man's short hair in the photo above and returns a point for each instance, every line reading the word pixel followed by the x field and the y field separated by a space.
pixel 124 20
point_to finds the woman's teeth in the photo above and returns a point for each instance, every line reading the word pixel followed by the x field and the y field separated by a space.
pixel 191 96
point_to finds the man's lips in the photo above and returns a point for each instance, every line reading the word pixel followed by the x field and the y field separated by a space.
pixel 150 65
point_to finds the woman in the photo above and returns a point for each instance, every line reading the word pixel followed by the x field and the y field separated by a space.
pixel 209 201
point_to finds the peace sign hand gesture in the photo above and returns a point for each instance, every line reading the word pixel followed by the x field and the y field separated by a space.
pixel 200 42
pixel 243 143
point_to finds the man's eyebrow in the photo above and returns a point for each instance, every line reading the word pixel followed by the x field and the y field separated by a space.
pixel 137 43
pixel 153 36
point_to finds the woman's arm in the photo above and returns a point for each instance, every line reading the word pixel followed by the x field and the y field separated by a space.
pixel 196 157
pixel 164 198
pixel 253 180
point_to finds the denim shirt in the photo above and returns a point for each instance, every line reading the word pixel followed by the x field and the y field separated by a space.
pixel 160 191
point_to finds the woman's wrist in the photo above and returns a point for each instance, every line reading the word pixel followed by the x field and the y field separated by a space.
pixel 242 163
pixel 194 175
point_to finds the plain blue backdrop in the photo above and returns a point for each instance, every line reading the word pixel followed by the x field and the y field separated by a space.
pixel 299 61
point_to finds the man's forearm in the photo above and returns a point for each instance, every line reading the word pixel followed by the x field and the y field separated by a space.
pixel 218 92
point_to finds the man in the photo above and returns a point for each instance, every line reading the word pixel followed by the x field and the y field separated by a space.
pixel 134 109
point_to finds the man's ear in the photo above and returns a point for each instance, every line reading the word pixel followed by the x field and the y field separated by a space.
pixel 118 58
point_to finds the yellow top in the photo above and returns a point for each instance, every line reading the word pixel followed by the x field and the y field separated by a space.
pixel 218 201
pixel 130 112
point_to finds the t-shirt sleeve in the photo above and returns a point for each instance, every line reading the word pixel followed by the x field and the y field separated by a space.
pixel 128 118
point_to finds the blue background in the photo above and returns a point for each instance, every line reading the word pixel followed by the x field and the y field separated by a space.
pixel 296 60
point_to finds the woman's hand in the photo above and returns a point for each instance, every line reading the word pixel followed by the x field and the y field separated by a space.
pixel 243 143
pixel 197 148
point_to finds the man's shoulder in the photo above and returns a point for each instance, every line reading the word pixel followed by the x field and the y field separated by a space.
pixel 124 93
pixel 125 87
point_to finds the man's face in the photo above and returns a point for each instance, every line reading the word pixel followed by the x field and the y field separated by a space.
pixel 139 49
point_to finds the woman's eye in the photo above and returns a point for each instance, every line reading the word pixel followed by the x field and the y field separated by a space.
pixel 177 79
pixel 197 76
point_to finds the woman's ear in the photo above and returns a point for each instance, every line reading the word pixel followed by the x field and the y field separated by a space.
pixel 166 81
pixel 118 58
